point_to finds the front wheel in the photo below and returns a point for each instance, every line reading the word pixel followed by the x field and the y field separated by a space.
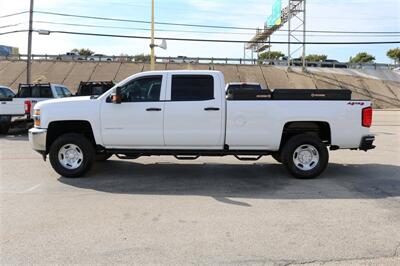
pixel 305 156
pixel 71 155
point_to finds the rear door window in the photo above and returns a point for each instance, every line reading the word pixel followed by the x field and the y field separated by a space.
pixel 59 91
pixel 192 88
pixel 67 93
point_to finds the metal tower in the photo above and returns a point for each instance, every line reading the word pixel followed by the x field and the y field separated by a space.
pixel 295 15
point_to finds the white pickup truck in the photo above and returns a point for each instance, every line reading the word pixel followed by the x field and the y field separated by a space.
pixel 187 114
pixel 19 107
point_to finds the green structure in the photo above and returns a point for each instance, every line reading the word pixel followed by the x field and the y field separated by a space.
pixel 275 18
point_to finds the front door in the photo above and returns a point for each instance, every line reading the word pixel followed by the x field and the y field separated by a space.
pixel 138 121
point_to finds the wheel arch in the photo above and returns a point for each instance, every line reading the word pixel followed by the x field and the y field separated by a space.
pixel 320 128
pixel 58 128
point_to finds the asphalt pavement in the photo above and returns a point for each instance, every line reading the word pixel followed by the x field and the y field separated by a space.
pixel 214 211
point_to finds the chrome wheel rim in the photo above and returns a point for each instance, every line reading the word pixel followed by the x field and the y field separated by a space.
pixel 70 156
pixel 306 157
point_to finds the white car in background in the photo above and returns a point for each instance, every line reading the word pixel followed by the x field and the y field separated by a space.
pixel 100 57
pixel 70 56
pixel 183 59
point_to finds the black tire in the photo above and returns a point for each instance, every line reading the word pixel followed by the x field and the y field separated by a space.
pixel 86 148
pixel 277 156
pixel 289 154
pixel 4 127
pixel 101 157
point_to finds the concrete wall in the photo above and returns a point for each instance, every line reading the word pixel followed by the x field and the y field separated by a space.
pixel 381 86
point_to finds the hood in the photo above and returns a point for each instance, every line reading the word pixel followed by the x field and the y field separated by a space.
pixel 79 99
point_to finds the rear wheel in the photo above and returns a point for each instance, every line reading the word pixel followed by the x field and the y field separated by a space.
pixel 71 155
pixel 4 128
pixel 305 156
pixel 5 123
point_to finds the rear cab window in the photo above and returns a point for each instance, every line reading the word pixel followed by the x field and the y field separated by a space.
pixel 35 91
pixel 192 88
pixel 42 92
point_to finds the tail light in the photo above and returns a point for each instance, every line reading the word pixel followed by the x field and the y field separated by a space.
pixel 28 106
pixel 367 117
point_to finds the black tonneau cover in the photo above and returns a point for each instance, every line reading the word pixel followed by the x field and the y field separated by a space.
pixel 289 94
pixel 311 94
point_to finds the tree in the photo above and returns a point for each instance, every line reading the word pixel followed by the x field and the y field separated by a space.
pixel 316 57
pixel 362 58
pixel 142 58
pixel 83 52
pixel 272 55
pixel 394 54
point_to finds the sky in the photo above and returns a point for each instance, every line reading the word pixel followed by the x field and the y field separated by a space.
pixel 338 15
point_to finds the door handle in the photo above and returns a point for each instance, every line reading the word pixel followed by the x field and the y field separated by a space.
pixel 153 109
pixel 211 109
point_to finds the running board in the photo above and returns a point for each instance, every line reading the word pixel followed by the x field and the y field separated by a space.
pixel 187 158
pixel 248 158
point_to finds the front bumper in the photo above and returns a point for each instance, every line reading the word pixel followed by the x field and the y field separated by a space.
pixel 366 143
pixel 37 139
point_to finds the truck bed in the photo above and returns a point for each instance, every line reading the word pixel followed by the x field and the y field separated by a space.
pixel 259 125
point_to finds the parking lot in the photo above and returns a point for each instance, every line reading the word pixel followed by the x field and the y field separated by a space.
pixel 159 210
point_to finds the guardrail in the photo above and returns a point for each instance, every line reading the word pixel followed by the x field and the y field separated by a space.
pixel 197 60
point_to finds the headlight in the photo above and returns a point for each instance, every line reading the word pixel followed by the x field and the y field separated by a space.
pixel 36 117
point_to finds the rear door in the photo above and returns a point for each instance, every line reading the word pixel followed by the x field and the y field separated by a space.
pixel 193 116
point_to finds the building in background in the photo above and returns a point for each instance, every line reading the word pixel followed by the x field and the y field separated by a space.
pixel 8 50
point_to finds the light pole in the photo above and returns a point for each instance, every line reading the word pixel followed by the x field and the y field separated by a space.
pixel 29 59
pixel 152 59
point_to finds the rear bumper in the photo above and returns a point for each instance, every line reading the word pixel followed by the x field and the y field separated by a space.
pixel 19 118
pixel 367 143
pixel 37 139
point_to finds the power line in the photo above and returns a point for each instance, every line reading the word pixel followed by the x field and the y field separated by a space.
pixel 203 40
pixel 11 25
pixel 215 40
pixel 192 31
pixel 205 26
pixel 13 31
pixel 143 29
pixel 14 14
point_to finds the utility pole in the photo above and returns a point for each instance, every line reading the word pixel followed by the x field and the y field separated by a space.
pixel 29 59
pixel 289 34
pixel 152 59
pixel 304 36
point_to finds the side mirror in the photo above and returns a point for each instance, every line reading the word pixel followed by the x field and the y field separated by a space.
pixel 116 96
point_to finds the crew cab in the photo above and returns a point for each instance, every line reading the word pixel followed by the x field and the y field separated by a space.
pixel 187 114
pixel 18 108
